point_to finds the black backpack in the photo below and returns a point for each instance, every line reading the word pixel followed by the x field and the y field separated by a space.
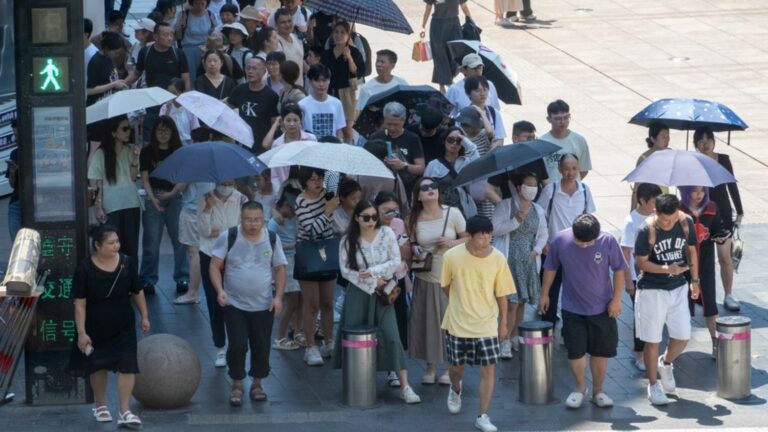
pixel 367 53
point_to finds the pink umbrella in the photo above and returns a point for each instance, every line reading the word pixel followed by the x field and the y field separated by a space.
pixel 218 116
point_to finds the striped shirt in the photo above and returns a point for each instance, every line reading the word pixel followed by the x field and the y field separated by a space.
pixel 312 221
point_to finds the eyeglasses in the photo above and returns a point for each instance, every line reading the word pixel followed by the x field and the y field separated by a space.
pixel 125 128
pixel 428 186
pixel 369 217
pixel 454 139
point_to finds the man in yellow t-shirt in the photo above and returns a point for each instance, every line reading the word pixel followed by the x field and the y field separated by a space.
pixel 477 280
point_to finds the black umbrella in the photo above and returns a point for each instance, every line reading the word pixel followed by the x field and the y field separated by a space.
pixel 503 159
pixel 415 99
pixel 494 69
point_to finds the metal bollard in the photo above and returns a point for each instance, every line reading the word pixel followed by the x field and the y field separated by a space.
pixel 536 384
pixel 734 358
pixel 358 345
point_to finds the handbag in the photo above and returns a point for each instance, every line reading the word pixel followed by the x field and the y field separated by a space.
pixel 470 30
pixel 421 51
pixel 737 248
pixel 317 259
pixel 425 265
pixel 388 293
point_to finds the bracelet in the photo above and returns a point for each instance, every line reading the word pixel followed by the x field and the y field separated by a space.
pixel 695 280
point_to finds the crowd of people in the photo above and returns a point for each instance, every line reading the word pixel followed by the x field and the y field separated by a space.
pixel 444 273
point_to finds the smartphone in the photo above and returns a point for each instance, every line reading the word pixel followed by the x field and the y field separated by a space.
pixel 389 149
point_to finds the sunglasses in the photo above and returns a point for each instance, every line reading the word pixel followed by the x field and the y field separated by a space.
pixel 426 187
pixel 368 218
pixel 454 140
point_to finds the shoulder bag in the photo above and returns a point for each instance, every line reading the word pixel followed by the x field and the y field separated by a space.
pixel 425 265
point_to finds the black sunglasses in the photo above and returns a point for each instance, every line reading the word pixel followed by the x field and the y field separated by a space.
pixel 454 140
pixel 368 218
pixel 426 187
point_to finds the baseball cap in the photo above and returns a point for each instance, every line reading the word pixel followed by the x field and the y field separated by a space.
pixel 470 116
pixel 431 118
pixel 471 61
pixel 235 26
pixel 144 24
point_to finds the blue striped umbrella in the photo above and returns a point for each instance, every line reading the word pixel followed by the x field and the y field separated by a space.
pixel 380 14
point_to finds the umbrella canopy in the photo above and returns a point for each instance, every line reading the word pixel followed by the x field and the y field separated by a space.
pixel 214 161
pixel 416 99
pixel 680 168
pixel 688 114
pixel 343 158
pixel 126 101
pixel 380 14
pixel 494 69
pixel 218 116
pixel 280 157
pixel 503 159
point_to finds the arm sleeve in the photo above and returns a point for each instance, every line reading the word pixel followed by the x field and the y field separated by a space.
pixel 617 258
pixel 353 276
pixel 503 221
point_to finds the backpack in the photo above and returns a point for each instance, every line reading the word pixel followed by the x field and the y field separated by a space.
pixel 367 53
pixel 149 47
pixel 682 218
pixel 232 238
pixel 552 198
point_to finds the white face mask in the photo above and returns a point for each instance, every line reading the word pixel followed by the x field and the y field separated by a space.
pixel 528 192
pixel 225 190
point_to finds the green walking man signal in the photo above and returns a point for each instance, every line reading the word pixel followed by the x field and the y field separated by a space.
pixel 51 71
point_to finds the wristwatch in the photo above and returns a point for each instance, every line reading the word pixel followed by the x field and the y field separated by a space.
pixel 695 280
pixel 405 167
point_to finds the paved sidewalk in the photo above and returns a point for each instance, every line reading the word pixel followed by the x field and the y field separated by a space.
pixel 608 59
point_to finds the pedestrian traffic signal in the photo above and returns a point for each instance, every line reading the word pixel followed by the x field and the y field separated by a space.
pixel 51 74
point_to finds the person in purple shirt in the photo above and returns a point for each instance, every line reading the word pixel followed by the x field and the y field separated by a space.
pixel 590 303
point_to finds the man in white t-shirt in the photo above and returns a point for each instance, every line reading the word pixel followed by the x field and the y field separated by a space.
pixel 323 113
pixel 559 117
pixel 298 13
pixel 385 63
pixel 287 41
pixel 646 206
pixel 471 65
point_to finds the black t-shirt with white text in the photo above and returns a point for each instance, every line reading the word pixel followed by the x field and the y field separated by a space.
pixel 257 108
pixel 407 146
pixel 669 249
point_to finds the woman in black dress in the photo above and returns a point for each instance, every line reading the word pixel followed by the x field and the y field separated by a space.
pixel 444 27
pixel 213 82
pixel 104 285
pixel 704 140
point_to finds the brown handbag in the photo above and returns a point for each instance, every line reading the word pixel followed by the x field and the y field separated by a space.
pixel 425 265
pixel 389 292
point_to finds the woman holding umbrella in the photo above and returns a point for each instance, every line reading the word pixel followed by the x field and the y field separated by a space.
pixel 722 195
pixel 113 168
pixel 710 230
pixel 434 229
pixel 444 27
pixel 658 139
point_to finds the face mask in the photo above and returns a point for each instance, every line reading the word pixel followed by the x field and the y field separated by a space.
pixel 225 190
pixel 528 192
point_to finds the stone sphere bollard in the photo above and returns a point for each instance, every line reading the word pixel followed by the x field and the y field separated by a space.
pixel 169 372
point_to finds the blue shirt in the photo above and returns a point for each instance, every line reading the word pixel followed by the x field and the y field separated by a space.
pixel 286 232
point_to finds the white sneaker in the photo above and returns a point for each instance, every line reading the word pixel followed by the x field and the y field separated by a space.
pixel 506 349
pixel 312 356
pixel 326 349
pixel 221 359
pixel 667 377
pixel 575 399
pixel 515 345
pixel 640 364
pixel 656 394
pixel 731 303
pixel 409 396
pixel 393 380
pixel 454 400
pixel 483 422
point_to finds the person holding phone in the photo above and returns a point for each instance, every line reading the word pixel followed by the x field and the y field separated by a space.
pixel 407 154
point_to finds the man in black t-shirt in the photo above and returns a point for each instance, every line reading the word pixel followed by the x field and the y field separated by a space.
pixel 431 133
pixel 665 250
pixel 256 103
pixel 102 72
pixel 160 63
pixel 407 155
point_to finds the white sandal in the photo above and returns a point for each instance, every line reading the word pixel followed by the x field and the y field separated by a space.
pixel 129 419
pixel 575 399
pixel 102 414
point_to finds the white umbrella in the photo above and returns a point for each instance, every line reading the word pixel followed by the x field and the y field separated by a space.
pixel 280 156
pixel 342 158
pixel 126 101
pixel 218 116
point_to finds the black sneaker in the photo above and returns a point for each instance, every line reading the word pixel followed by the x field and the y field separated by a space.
pixel 182 287
pixel 148 289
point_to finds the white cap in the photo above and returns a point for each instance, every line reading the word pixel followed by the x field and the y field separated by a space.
pixel 144 24
pixel 236 26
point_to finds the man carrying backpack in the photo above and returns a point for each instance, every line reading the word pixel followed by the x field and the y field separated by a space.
pixel 254 261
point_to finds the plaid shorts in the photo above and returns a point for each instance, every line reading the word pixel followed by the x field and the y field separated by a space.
pixel 472 351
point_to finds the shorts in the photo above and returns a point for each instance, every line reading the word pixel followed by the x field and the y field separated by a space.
pixel 596 335
pixel 472 351
pixel 188 229
pixel 655 308
pixel 348 101
pixel 291 284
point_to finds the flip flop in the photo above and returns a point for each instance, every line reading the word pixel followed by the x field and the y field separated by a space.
pixel 257 394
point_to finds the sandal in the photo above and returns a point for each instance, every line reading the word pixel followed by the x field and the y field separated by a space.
pixel 129 419
pixel 285 344
pixel 236 396
pixel 257 393
pixel 102 414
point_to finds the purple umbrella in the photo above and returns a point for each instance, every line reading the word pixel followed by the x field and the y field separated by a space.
pixel 680 168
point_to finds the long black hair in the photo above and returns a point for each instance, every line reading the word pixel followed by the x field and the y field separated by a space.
pixel 353 232
pixel 108 148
